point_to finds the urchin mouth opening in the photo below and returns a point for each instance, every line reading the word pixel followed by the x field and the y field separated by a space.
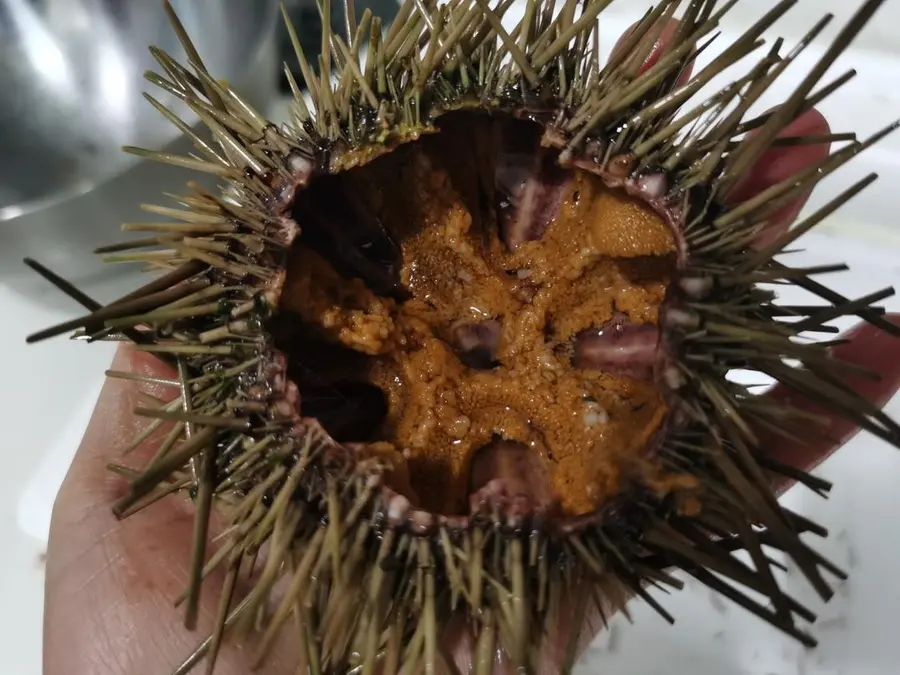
pixel 484 316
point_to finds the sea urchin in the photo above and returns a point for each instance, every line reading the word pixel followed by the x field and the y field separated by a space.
pixel 459 334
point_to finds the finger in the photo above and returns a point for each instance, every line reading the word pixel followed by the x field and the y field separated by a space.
pixel 778 164
pixel 110 585
pixel 867 347
pixel 775 165
pixel 661 47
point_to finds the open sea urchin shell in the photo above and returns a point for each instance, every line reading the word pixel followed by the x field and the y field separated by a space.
pixel 458 335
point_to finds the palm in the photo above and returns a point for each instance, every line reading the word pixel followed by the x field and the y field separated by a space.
pixel 110 588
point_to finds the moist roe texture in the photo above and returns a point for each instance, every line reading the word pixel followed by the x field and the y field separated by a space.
pixel 456 275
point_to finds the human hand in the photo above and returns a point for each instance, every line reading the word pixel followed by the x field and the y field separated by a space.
pixel 110 585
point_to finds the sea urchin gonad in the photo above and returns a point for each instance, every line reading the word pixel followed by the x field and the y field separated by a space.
pixel 459 335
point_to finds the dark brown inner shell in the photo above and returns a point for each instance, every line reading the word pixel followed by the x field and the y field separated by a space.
pixel 475 313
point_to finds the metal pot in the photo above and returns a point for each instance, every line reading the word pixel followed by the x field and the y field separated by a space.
pixel 71 73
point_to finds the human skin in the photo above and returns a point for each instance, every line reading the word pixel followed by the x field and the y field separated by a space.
pixel 110 584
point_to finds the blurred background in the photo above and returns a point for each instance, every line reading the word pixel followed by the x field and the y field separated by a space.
pixel 71 94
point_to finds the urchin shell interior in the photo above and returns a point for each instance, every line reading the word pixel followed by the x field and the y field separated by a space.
pixel 501 309
pixel 458 335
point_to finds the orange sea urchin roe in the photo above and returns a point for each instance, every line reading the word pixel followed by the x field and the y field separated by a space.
pixel 604 254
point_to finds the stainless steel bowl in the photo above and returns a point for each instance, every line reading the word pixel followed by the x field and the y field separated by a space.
pixel 72 79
